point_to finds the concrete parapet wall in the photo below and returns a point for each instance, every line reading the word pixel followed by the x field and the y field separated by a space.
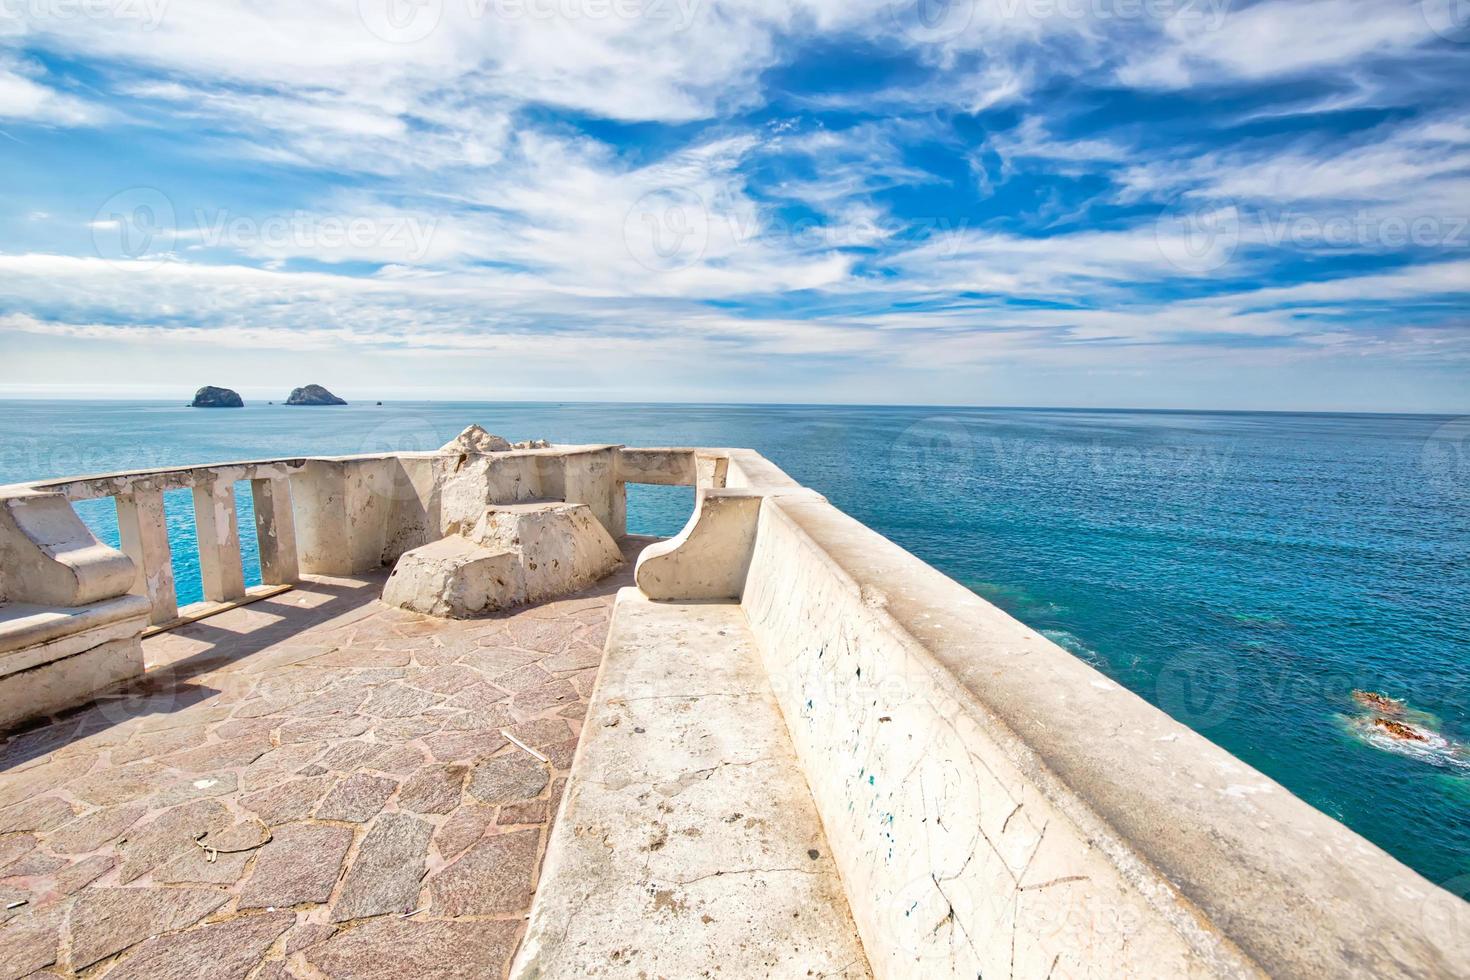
pixel 994 805
pixel 355 514
pixel 997 807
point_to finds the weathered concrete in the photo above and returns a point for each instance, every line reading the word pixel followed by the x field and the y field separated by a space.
pixel 49 558
pixel 54 678
pixel 275 529
pixel 563 547
pixel 455 578
pixel 688 844
pixel 68 626
pixel 220 571
pixel 474 439
pixel 515 554
pixel 143 531
pixel 996 805
pixel 709 558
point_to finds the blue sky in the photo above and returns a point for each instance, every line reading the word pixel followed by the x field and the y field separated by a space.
pixel 1144 203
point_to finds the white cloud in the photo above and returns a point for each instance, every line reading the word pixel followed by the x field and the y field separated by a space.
pixel 1276 38
pixel 24 97
pixel 502 234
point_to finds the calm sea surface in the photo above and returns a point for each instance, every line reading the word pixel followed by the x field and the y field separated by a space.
pixel 1245 572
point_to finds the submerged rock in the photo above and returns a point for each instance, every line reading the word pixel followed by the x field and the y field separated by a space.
pixel 475 440
pixel 1389 724
pixel 1379 702
pixel 313 395
pixel 1399 730
pixel 211 397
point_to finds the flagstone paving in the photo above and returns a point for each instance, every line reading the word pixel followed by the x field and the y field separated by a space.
pixel 315 785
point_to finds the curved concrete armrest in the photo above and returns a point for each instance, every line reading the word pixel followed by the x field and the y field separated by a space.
pixel 49 558
pixel 708 559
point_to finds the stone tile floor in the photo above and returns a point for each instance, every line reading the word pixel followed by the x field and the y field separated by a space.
pixel 353 767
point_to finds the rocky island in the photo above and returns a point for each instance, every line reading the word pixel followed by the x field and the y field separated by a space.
pixel 212 397
pixel 313 395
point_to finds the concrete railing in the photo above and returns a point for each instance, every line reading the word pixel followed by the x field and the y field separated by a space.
pixel 997 807
pixel 143 530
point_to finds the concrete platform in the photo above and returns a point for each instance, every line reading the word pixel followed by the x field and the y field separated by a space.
pixel 355 766
pixel 689 845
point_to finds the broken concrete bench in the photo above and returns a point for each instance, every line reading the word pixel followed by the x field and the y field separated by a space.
pixel 516 554
pixel 688 841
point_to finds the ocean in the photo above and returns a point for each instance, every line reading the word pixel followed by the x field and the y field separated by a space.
pixel 1245 572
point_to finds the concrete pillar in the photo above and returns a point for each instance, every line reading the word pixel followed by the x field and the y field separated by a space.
pixel 589 478
pixel 342 509
pixel 219 542
pixel 619 516
pixel 275 528
pixel 144 532
pixel 710 471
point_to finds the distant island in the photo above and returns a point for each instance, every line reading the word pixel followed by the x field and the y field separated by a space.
pixel 211 397
pixel 313 395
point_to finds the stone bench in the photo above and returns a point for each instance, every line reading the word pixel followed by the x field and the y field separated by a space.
pixel 52 657
pixel 69 626
pixel 688 842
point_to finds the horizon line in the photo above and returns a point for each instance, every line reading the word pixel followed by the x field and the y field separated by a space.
pixel 953 406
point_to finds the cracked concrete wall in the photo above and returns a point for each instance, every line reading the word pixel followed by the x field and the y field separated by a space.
pixel 999 808
pixel 954 865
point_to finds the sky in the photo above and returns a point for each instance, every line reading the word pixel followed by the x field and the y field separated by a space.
pixel 1209 204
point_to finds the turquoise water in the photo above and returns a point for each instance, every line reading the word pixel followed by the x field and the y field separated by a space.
pixel 1245 572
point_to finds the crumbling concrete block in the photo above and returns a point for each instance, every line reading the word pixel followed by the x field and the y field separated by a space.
pixel 515 554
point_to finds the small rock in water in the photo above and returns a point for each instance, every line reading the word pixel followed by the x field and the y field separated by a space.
pixel 1398 730
pixel 1379 702
pixel 1388 724
pixel 475 440
pixel 211 397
